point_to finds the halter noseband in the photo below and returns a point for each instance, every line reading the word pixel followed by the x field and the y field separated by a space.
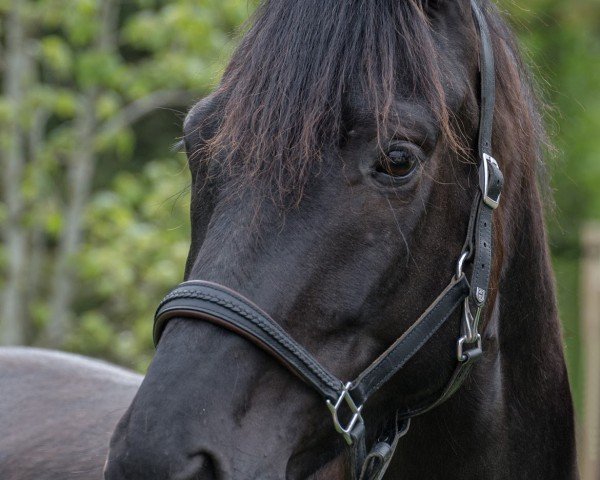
pixel 219 305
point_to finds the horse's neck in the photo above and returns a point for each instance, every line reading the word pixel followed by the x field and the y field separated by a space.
pixel 513 417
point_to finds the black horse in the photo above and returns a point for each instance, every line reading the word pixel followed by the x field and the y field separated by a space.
pixel 333 170
pixel 333 173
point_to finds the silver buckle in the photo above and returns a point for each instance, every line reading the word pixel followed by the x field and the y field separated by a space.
pixel 489 201
pixel 356 416
pixel 461 343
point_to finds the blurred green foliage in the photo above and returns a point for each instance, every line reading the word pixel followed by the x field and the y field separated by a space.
pixel 110 79
pixel 135 249
pixel 134 228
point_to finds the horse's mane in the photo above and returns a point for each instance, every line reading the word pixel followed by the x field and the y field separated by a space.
pixel 285 88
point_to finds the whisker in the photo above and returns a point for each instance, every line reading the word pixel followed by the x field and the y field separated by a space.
pixel 408 254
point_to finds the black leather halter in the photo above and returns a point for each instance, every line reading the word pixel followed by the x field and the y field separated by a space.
pixel 219 305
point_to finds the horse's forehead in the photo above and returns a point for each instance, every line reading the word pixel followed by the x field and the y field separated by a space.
pixel 410 115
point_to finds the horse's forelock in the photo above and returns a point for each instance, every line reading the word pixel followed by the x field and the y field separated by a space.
pixel 288 81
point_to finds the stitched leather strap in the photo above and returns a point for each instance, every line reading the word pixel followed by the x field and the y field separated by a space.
pixel 216 304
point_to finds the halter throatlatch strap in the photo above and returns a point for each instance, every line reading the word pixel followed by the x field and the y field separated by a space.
pixel 221 306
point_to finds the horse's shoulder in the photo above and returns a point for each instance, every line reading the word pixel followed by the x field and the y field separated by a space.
pixel 55 366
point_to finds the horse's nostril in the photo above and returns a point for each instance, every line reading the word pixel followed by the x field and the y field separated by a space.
pixel 206 468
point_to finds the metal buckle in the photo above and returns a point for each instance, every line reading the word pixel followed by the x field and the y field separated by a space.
pixel 489 201
pixel 469 330
pixel 462 357
pixel 356 416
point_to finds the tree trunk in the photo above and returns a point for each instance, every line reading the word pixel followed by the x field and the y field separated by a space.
pixel 80 176
pixel 37 236
pixel 13 164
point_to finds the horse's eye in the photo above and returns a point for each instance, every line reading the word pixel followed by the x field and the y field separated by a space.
pixel 399 163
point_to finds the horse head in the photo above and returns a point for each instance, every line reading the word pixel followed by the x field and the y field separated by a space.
pixel 333 175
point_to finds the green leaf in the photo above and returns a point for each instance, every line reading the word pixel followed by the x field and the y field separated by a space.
pixel 57 55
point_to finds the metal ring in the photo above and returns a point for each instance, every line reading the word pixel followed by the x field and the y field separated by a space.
pixel 461 262
pixel 468 324
pixel 356 418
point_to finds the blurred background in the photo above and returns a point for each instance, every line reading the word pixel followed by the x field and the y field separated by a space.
pixel 94 200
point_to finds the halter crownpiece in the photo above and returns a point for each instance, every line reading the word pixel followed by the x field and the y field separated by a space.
pixel 219 305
